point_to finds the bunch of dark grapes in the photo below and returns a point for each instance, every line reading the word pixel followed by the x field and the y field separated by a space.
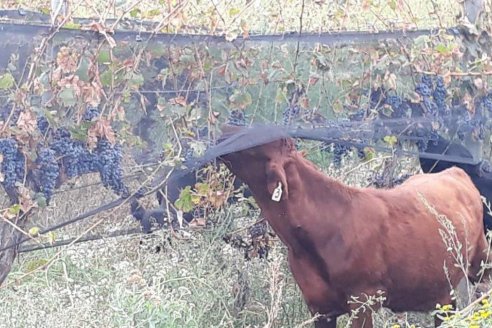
pixel 43 124
pixel 6 112
pixel 439 96
pixel 430 106
pixel 487 102
pixel 109 165
pixel 237 118
pixel 70 151
pixel 290 114
pixel 434 137
pixel 339 151
pixel 461 133
pixel 421 134
pixel 376 98
pixel 91 112
pixel 424 89
pixel 399 108
pixel 394 101
pixel 258 229
pixel 360 152
pixel 12 163
pixel 63 153
pixel 50 171
pixel 427 81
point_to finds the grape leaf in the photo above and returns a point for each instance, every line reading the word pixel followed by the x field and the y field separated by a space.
pixel 6 81
pixel 67 96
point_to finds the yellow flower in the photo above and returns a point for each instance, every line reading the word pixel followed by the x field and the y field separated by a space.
pixel 447 307
pixel 395 326
pixel 485 314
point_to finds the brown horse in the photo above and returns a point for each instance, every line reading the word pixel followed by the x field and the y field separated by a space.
pixel 348 242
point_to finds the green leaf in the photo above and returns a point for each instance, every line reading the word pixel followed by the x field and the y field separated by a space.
pixel 202 188
pixel 392 4
pixel 67 97
pixel 6 81
pixel 41 200
pixel 136 80
pixel 104 57
pixel 152 13
pixel 185 201
pixel 135 12
pixel 83 69
pixel 157 50
pixel 442 49
pixel 51 237
pixel 369 153
pixel 72 26
pixel 240 99
pixel 106 78
pixel 14 209
pixel 234 11
pixel 280 96
pixel 34 231
pixel 187 59
pixel 390 140
pixel 45 10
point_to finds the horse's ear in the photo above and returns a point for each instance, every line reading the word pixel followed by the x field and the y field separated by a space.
pixel 276 180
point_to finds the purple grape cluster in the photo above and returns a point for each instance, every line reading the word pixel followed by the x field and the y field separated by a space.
pixel 48 166
pixel 423 89
pixel 398 106
pixel 6 111
pixel 90 113
pixel 237 118
pixel 74 156
pixel 439 96
pixel 12 164
pixel 290 114
pixel 43 124
pixel 63 154
pixel 109 164
pixel 487 102
pixel 339 151
pixel 77 160
pixel 427 81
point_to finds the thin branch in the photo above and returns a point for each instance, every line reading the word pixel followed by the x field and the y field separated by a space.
pixel 300 33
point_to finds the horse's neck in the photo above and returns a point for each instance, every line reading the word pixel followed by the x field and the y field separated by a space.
pixel 315 200
pixel 308 182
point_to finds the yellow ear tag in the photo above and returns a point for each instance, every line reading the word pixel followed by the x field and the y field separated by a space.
pixel 277 193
